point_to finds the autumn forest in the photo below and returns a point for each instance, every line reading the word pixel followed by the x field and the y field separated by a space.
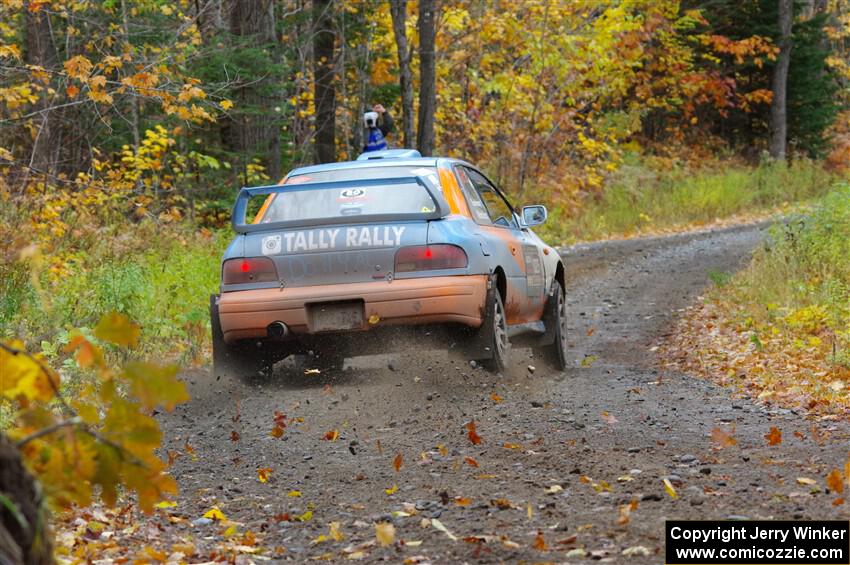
pixel 705 143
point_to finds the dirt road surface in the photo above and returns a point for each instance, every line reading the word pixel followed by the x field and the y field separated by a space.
pixel 560 453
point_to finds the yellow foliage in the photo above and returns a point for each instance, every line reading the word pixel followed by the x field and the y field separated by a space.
pixel 103 437
pixel 809 319
pixel 78 67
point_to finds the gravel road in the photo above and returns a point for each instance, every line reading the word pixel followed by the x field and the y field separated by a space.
pixel 560 452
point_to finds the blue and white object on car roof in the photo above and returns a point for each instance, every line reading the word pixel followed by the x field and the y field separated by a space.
pixel 389 154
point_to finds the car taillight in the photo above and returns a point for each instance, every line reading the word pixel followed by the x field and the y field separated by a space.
pixel 248 270
pixel 429 258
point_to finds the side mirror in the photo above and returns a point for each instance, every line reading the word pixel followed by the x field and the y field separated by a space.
pixel 534 215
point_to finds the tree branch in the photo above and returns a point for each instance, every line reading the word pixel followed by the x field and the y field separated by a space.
pixel 48 430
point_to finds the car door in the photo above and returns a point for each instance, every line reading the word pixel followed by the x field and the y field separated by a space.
pixel 511 246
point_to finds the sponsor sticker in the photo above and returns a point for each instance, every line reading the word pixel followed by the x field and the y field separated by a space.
pixel 333 239
pixel 350 193
pixel 271 245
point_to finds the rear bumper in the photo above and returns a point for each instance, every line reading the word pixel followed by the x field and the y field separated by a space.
pixel 246 314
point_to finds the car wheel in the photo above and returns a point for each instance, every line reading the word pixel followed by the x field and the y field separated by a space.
pixel 238 360
pixel 556 352
pixel 498 341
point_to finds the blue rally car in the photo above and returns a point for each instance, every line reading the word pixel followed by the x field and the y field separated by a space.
pixel 338 259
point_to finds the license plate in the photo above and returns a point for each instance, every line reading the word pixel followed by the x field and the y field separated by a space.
pixel 335 316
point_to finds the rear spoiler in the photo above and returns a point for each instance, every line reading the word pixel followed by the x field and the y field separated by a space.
pixel 240 209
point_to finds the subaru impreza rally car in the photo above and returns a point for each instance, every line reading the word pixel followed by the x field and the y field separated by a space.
pixel 337 259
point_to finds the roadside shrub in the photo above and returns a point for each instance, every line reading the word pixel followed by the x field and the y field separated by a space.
pixel 162 280
pixel 641 198
pixel 802 272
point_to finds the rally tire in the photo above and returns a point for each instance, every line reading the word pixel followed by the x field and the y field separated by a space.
pixel 555 353
pixel 497 337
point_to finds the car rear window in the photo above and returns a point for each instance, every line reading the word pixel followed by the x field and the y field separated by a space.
pixel 352 201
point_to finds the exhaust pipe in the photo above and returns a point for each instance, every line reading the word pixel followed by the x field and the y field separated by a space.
pixel 277 330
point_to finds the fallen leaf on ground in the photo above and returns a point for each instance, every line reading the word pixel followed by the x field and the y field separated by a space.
pixel 722 439
pixel 806 481
pixel 460 501
pixel 234 436
pixel 439 526
pixel 306 517
pixel 626 511
pixel 636 550
pixel 588 361
pixel 471 462
pixel 601 486
pixel 294 493
pixel 554 489
pixel 472 433
pixel 280 418
pixel 539 542
pixel 397 462
pixel 214 514
pixel 608 418
pixel 496 398
pixel 392 490
pixel 774 436
pixel 385 533
pixel 668 488
pixel 835 481
pixel 264 473
pixel 332 435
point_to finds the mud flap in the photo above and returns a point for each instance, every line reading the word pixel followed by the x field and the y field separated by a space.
pixel 243 359
pixel 550 318
pixel 480 344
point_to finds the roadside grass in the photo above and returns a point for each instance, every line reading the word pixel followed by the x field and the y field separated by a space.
pixel 780 329
pixel 160 276
pixel 799 281
pixel 644 200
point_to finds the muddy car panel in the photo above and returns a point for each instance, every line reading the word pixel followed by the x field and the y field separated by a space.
pixel 352 259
